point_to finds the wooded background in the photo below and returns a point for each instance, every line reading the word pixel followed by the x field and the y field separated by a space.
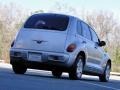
pixel 105 23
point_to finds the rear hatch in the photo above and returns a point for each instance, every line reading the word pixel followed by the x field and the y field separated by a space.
pixel 44 32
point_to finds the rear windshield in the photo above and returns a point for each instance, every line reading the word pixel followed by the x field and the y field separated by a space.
pixel 47 22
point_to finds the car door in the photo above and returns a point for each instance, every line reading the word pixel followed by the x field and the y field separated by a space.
pixel 99 55
pixel 90 47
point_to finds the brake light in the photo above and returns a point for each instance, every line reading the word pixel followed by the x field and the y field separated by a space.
pixel 71 47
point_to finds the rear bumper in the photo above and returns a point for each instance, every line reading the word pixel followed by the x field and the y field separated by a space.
pixel 49 60
pixel 40 65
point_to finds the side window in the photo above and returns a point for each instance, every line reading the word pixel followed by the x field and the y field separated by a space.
pixel 79 28
pixel 94 35
pixel 87 33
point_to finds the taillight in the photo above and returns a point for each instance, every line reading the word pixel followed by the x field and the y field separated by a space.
pixel 71 47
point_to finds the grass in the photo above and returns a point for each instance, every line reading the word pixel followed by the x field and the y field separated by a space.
pixel 116 67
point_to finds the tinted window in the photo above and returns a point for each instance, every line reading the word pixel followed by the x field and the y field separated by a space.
pixel 94 35
pixel 47 22
pixel 87 33
pixel 79 28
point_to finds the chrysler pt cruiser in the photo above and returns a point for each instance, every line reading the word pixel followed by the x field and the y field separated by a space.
pixel 59 43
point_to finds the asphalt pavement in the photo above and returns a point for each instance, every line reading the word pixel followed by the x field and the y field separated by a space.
pixel 43 80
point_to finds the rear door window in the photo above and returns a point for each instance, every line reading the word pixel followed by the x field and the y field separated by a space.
pixel 47 22
pixel 79 28
pixel 94 36
pixel 87 33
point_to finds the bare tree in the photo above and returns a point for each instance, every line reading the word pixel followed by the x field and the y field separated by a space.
pixel 104 23
pixel 11 18
pixel 108 29
pixel 63 8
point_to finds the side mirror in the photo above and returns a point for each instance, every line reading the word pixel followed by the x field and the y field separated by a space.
pixel 102 43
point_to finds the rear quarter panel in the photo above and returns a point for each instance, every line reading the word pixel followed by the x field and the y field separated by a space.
pixel 73 37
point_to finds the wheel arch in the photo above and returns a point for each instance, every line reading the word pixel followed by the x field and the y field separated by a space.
pixel 109 62
pixel 82 53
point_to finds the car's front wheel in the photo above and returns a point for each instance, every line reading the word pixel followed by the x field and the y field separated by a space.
pixel 19 68
pixel 105 77
pixel 77 69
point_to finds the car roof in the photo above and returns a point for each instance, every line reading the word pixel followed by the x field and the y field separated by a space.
pixel 55 14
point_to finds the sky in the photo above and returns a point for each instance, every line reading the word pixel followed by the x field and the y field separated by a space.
pixel 89 5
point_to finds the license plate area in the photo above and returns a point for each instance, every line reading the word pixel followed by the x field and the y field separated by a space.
pixel 35 57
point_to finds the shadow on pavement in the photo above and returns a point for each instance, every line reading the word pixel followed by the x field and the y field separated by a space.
pixel 43 74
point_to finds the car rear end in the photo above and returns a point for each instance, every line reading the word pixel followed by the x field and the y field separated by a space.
pixel 41 42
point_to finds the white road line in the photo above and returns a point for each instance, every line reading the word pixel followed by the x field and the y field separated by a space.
pixel 66 74
pixel 100 85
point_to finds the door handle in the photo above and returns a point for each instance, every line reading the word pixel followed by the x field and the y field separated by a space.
pixel 95 47
pixel 83 41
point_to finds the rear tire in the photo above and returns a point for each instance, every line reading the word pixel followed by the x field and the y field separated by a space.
pixel 19 68
pixel 56 73
pixel 77 69
pixel 105 77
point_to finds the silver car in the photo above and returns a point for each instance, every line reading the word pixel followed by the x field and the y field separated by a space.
pixel 59 43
